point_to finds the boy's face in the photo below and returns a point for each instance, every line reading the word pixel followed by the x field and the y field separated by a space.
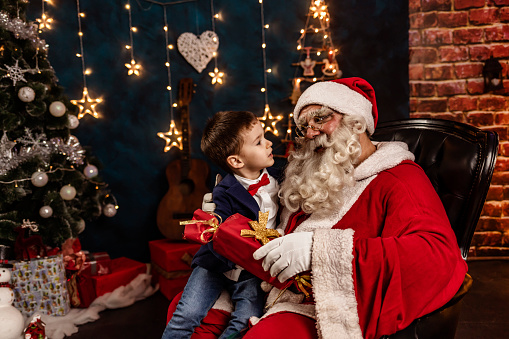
pixel 256 151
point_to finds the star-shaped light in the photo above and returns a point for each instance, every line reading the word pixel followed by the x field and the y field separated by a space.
pixel 133 68
pixel 15 73
pixel 259 229
pixel 173 137
pixel 216 76
pixel 6 147
pixel 44 22
pixel 87 105
pixel 269 121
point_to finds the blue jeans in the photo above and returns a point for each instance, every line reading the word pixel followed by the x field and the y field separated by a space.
pixel 201 292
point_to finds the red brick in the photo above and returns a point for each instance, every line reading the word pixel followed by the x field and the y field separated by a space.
pixel 423 55
pixel 416 72
pixel 505 208
pixel 447 88
pixel 452 19
pixel 502 224
pixel 479 53
pixel 413 105
pixel 501 131
pixel 414 6
pixel 505 238
pixel 487 224
pixel 492 103
pixel 468 70
pixel 414 38
pixel 491 251
pixel 450 116
pixel 422 89
pixel 467 35
pixel 480 119
pixel 475 86
pixel 492 209
pixel 499 51
pixel 496 192
pixel 500 178
pixel 498 32
pixel 462 103
pixel 462 4
pixel 500 2
pixel 487 238
pixel 420 115
pixel 435 5
pixel 502 118
pixel 432 105
pixel 453 53
pixel 503 149
pixel 437 36
pixel 484 16
pixel 501 165
pixel 423 20
pixel 504 14
pixel 438 72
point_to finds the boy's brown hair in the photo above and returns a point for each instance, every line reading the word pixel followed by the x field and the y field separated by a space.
pixel 222 135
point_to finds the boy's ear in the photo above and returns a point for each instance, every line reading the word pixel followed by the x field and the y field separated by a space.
pixel 235 162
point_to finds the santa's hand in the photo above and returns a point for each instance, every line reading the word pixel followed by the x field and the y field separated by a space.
pixel 207 205
pixel 286 256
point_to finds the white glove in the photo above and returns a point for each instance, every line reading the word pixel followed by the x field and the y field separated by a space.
pixel 207 205
pixel 286 256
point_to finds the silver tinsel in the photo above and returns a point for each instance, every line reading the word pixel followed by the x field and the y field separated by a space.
pixel 70 148
pixel 8 159
pixel 21 29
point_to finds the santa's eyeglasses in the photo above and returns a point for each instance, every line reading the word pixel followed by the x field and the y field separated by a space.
pixel 315 123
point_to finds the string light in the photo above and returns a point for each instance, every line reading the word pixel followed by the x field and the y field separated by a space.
pixel 86 104
pixel 268 120
pixel 217 76
pixel 133 68
pixel 44 21
pixel 173 137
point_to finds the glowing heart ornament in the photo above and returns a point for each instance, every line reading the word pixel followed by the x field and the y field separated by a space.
pixel 198 51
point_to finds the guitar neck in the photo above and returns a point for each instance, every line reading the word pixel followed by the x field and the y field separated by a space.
pixel 184 115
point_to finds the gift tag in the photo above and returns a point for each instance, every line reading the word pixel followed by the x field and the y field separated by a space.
pixel 198 51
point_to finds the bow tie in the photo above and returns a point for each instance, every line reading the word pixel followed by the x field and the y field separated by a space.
pixel 252 189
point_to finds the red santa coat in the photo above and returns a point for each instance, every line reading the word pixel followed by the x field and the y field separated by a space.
pixel 385 258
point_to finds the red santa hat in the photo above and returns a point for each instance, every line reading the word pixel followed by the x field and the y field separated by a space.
pixel 350 96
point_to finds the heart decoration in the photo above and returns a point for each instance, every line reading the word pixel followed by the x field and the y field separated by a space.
pixel 198 51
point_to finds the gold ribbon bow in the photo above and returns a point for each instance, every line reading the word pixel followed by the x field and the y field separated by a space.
pixel 214 222
pixel 303 281
pixel 260 230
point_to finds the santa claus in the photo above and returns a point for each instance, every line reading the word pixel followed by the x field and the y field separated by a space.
pixel 362 220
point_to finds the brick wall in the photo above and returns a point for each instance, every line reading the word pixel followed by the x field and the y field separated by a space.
pixel 449 41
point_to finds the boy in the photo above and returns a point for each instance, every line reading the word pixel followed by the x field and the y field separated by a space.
pixel 234 141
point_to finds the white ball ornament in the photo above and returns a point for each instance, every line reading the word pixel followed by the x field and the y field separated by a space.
pixel 81 226
pixel 110 210
pixel 57 108
pixel 68 192
pixel 72 121
pixel 39 179
pixel 46 211
pixel 90 171
pixel 26 94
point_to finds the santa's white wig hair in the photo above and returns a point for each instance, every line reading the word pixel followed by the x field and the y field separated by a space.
pixel 319 169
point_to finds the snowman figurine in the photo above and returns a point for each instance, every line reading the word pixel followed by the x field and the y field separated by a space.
pixel 12 321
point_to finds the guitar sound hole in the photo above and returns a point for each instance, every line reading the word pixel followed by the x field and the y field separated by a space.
pixel 186 186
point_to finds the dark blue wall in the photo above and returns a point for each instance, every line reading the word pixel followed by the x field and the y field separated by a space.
pixel 372 36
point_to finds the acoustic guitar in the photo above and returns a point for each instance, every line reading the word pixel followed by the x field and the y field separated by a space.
pixel 186 177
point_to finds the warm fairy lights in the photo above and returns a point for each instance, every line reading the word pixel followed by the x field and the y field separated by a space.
pixel 133 68
pixel 44 21
pixel 217 76
pixel 268 120
pixel 86 104
pixel 173 137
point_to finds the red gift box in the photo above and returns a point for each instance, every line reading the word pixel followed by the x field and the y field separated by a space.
pixel 123 271
pixel 228 240
pixel 98 263
pixel 171 264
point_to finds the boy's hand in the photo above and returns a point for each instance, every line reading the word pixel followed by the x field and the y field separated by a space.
pixel 207 205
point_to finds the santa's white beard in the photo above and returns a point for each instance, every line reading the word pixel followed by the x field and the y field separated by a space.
pixel 321 168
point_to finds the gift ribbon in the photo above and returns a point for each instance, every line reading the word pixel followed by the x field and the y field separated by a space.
pixel 303 282
pixel 211 222
pixel 170 275
pixel 259 229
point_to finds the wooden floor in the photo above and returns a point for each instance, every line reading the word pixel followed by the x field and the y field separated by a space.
pixel 485 312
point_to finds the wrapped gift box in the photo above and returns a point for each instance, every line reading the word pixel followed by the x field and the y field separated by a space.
pixel 123 271
pixel 235 239
pixel 171 264
pixel 98 263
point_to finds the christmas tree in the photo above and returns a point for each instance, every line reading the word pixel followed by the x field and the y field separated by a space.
pixel 47 179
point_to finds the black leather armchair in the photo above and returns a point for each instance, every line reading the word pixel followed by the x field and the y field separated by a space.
pixel 459 160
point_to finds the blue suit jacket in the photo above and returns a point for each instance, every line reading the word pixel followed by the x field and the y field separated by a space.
pixel 230 197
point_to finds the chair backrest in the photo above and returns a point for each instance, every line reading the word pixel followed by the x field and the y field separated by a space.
pixel 458 159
